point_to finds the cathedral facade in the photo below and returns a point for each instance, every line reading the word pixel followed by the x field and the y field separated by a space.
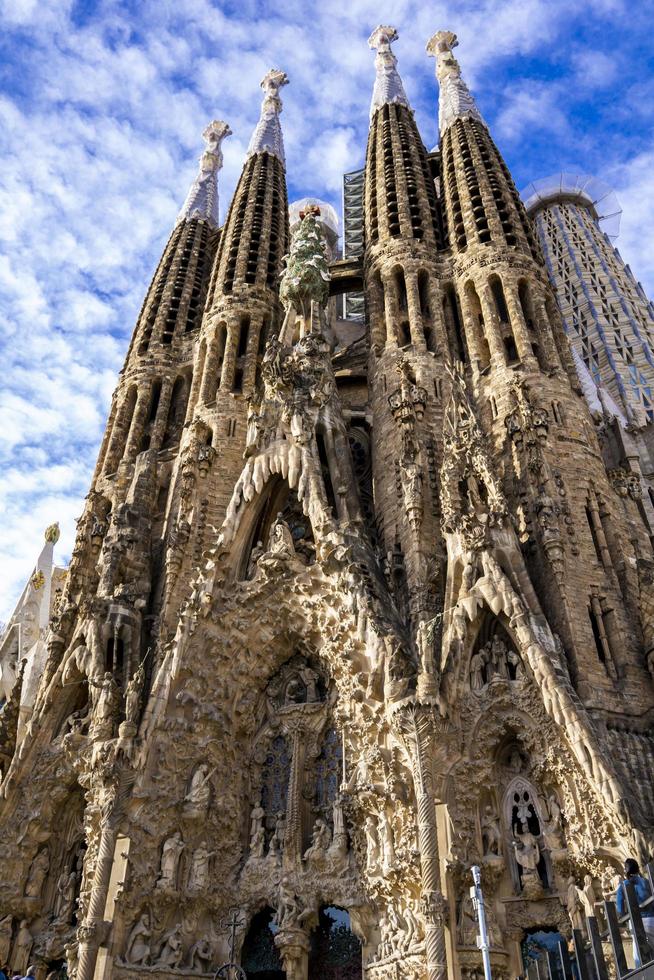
pixel 354 605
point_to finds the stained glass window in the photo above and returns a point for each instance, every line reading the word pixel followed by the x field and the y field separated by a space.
pixel 274 777
pixel 328 774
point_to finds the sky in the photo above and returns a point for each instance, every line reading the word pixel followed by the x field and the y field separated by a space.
pixel 101 109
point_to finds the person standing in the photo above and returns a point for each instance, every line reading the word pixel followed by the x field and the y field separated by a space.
pixel 643 892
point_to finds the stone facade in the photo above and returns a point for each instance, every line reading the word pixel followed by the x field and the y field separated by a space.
pixel 352 607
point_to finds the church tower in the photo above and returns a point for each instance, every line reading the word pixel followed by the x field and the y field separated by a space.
pixel 351 609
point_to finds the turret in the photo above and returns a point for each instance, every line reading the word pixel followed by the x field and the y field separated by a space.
pixel 242 302
pixel 506 319
pixel 402 221
pixel 150 402
pixel 519 366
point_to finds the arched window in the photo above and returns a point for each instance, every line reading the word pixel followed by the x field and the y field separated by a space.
pixel 328 774
pixel 274 779
pixel 453 326
pixel 176 413
pixel 474 309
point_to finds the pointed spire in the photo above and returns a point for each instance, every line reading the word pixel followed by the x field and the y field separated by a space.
pixel 455 101
pixel 202 199
pixel 388 84
pixel 267 136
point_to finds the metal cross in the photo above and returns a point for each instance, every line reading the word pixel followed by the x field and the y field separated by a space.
pixel 231 971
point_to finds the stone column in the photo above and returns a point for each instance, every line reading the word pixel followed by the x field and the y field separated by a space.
pixel 209 380
pixel 492 326
pixel 160 419
pixel 121 424
pixel 437 318
pixel 470 327
pixel 301 723
pixel 415 725
pixel 518 325
pixel 544 333
pixel 138 421
pixel 229 360
pixel 251 356
pixel 391 310
pixel 415 313
pixel 293 945
pixel 91 933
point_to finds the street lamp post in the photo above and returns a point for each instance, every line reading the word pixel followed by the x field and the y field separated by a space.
pixel 478 903
pixel 231 970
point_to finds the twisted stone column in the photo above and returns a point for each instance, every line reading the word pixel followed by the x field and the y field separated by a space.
pixel 414 723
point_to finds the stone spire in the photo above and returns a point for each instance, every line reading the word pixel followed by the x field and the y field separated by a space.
pixel 388 84
pixel 455 102
pixel 202 199
pixel 267 136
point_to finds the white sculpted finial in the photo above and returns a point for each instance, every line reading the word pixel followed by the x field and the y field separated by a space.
pixel 267 136
pixel 202 198
pixel 388 84
pixel 455 101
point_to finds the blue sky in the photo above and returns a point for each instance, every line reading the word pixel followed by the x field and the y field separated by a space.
pixel 101 109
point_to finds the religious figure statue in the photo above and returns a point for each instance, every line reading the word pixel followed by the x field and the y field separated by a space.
pixel 37 874
pixel 171 951
pixel 277 839
pixel 514 665
pixel 106 707
pixel 467 922
pixel 22 948
pixel 527 851
pixel 490 833
pixel 6 929
pixel 588 895
pixel 170 856
pixel 425 644
pixel 256 818
pixel 280 541
pixel 133 695
pixel 498 658
pixel 289 908
pixel 320 841
pixel 372 845
pixel 196 801
pixel 553 831
pixel 387 843
pixel 200 956
pixel 477 667
pixel 574 906
pixel 258 843
pixel 66 894
pixel 415 932
pixel 138 944
pixel 198 879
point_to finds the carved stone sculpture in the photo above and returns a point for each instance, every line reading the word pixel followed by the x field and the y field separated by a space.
pixel 198 879
pixel 5 937
pixel 38 873
pixel 196 802
pixel 320 842
pixel 200 956
pixel 22 948
pixel 138 949
pixel 171 951
pixel 170 856
pixel 490 833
